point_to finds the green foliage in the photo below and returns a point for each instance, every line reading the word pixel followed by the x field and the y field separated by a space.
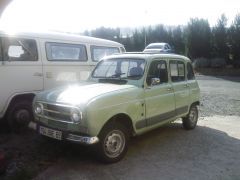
pixel 234 39
pixel 219 38
pixel 198 38
pixel 195 40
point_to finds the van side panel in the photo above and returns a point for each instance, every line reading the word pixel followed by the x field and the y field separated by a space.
pixel 19 76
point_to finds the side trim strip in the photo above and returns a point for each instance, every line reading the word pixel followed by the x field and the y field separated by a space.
pixel 162 117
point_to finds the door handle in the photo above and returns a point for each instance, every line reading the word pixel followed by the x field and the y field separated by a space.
pixel 169 89
pixel 186 85
pixel 38 74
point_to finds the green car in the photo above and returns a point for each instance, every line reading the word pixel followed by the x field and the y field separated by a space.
pixel 126 95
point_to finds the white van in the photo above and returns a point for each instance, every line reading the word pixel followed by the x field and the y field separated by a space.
pixel 33 62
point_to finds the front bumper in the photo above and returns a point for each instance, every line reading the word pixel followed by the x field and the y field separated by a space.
pixel 69 136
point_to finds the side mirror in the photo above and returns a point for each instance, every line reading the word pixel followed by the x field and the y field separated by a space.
pixel 155 81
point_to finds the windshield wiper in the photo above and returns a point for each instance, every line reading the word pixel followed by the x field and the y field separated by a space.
pixel 134 76
pixel 112 80
pixel 118 75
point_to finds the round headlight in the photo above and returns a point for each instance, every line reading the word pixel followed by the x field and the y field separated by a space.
pixel 38 109
pixel 76 116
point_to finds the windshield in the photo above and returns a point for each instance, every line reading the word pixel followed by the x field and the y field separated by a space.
pixel 155 47
pixel 122 68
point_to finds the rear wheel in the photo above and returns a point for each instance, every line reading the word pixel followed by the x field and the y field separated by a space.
pixel 19 115
pixel 190 121
pixel 113 143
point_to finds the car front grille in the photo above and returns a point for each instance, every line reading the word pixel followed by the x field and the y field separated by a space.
pixel 57 112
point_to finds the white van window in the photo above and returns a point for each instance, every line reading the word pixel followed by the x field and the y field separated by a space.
pixel 66 52
pixel 16 49
pixel 98 52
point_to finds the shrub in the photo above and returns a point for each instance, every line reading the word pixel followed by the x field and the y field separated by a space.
pixel 201 63
pixel 218 62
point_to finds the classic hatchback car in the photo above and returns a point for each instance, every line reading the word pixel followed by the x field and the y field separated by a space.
pixel 126 95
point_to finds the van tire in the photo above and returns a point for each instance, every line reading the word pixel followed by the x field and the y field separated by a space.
pixel 190 121
pixel 121 135
pixel 19 115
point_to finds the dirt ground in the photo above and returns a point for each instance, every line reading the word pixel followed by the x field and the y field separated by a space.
pixel 211 151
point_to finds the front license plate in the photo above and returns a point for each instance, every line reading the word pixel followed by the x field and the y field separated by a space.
pixel 50 133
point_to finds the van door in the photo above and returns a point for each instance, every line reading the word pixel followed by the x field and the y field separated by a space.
pixel 180 85
pixel 159 97
pixel 21 68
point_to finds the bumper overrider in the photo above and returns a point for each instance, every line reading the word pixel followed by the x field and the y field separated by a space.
pixel 64 135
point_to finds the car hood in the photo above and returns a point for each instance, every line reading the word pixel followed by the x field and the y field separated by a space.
pixel 80 93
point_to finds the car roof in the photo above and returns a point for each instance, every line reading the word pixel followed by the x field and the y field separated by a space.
pixel 161 43
pixel 148 56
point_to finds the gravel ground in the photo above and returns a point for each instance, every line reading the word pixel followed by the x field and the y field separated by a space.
pixel 219 96
pixel 28 154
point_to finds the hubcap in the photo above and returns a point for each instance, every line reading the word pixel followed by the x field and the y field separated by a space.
pixel 114 143
pixel 22 116
pixel 193 115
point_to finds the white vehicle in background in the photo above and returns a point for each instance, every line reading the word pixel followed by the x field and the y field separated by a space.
pixel 33 62
pixel 158 48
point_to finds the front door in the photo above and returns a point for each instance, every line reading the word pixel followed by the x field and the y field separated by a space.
pixel 159 96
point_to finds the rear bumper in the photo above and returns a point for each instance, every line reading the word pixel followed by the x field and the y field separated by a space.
pixel 69 136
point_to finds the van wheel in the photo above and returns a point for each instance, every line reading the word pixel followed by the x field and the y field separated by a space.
pixel 19 115
pixel 113 143
pixel 190 121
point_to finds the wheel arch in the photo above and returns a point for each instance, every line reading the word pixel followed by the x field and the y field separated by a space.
pixel 18 97
pixel 123 119
pixel 196 103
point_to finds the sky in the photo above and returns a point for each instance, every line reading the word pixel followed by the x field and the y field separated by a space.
pixel 79 15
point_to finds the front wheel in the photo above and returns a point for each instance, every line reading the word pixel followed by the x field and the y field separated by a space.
pixel 190 121
pixel 19 115
pixel 113 143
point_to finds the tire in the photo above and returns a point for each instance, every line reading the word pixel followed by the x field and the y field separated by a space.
pixel 19 115
pixel 113 144
pixel 190 121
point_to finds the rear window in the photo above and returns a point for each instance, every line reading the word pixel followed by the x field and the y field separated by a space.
pixel 19 49
pixel 66 52
pixel 98 52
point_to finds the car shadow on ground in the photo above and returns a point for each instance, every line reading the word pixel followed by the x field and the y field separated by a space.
pixel 169 152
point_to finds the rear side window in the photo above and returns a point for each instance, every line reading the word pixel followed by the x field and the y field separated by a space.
pixel 177 70
pixel 190 73
pixel 19 49
pixel 98 52
pixel 66 52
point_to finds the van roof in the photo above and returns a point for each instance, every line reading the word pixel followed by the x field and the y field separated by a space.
pixel 61 36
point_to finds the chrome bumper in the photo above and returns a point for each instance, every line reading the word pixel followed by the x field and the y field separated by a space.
pixel 71 137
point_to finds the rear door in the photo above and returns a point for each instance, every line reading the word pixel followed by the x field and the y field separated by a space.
pixel 21 68
pixel 159 98
pixel 180 85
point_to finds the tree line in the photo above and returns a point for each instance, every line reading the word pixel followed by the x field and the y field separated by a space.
pixel 196 39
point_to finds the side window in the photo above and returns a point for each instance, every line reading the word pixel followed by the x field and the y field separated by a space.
pixel 190 73
pixel 98 52
pixel 66 52
pixel 158 69
pixel 19 49
pixel 123 50
pixel 177 70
